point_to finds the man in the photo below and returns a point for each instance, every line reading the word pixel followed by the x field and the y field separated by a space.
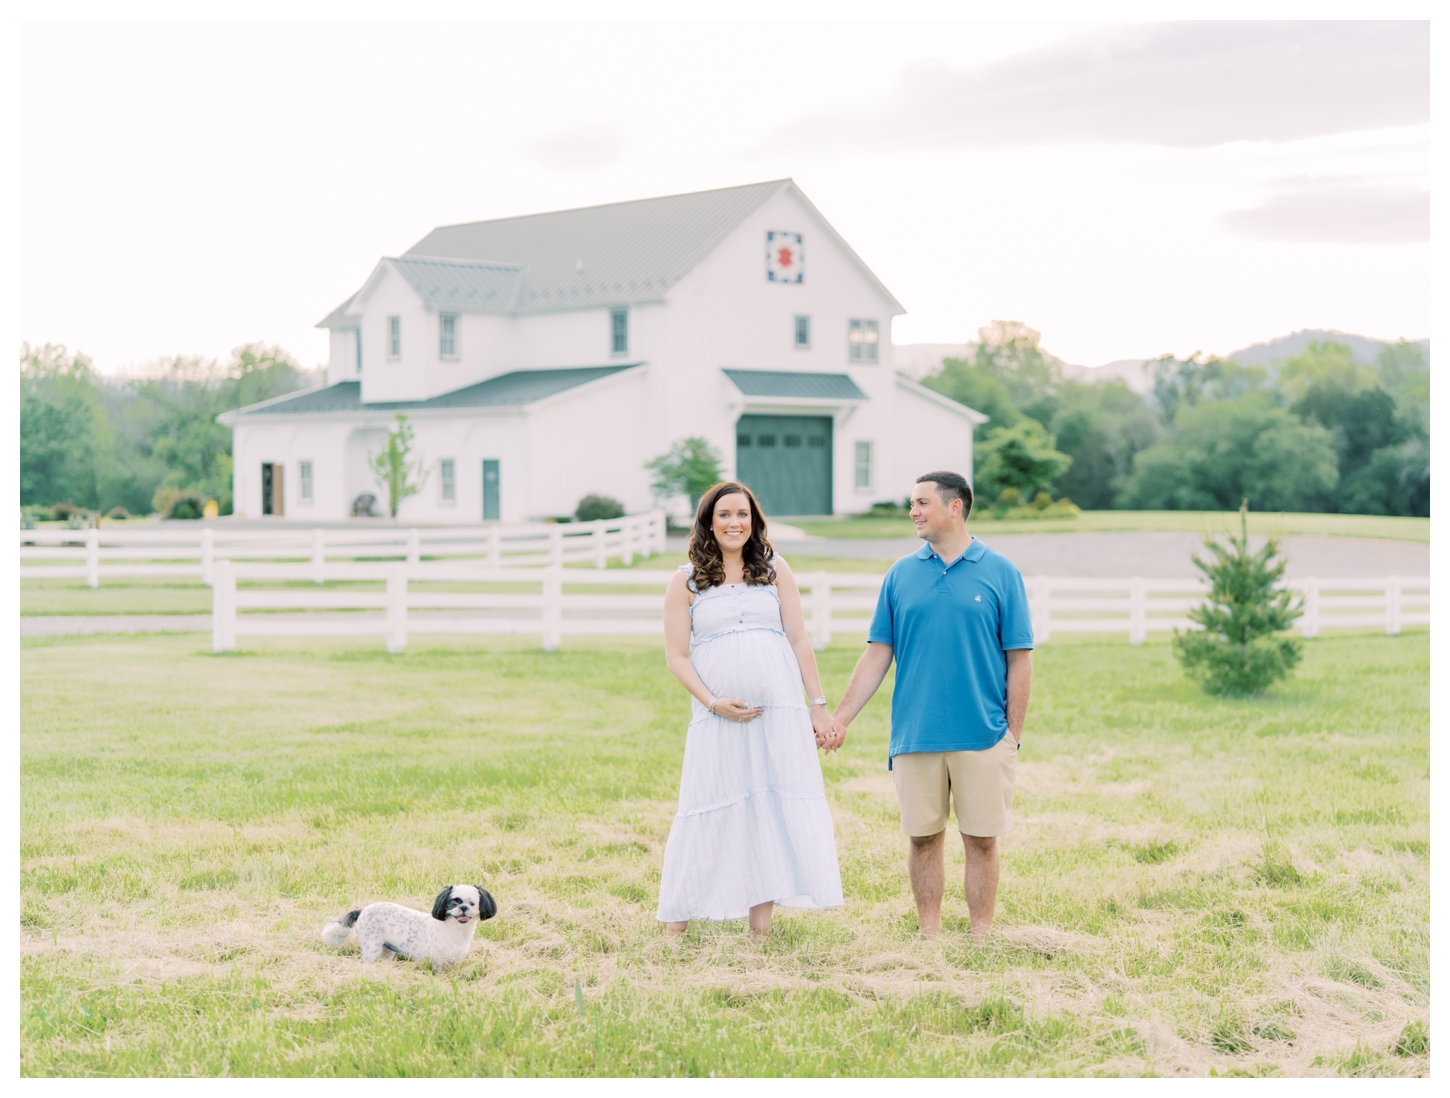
pixel 954 616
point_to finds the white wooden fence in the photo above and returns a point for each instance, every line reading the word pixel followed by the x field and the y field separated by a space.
pixel 834 602
pixel 175 550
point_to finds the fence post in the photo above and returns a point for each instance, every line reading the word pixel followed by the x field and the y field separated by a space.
pixel 1137 611
pixel 1042 610
pixel 553 609
pixel 820 610
pixel 556 546
pixel 93 558
pixel 415 549
pixel 1309 623
pixel 397 608
pixel 223 607
pixel 319 556
pixel 627 527
pixel 596 538
pixel 208 552
pixel 1393 608
pixel 661 530
pixel 495 547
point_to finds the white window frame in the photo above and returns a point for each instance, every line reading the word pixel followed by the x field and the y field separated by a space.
pixel 304 482
pixel 447 482
pixel 802 320
pixel 863 340
pixel 451 353
pixel 618 346
pixel 395 338
pixel 866 449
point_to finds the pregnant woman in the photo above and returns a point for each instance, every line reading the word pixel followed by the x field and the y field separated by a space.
pixel 753 829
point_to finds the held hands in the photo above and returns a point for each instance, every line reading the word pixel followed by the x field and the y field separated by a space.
pixel 830 733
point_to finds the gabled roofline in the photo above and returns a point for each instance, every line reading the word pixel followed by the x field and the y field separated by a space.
pixel 624 202
pixel 937 398
pixel 850 251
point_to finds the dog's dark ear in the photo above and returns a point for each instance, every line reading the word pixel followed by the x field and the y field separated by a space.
pixel 487 909
pixel 440 904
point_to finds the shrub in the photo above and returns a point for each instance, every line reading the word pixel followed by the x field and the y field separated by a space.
pixel 594 507
pixel 34 513
pixel 1238 651
pixel 163 499
pixel 118 512
pixel 186 505
pixel 63 511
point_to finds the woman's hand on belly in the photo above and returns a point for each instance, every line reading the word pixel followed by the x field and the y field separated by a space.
pixel 738 711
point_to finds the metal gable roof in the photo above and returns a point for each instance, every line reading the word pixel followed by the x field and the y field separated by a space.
pixel 796 385
pixel 463 284
pixel 519 387
pixel 338 318
pixel 601 255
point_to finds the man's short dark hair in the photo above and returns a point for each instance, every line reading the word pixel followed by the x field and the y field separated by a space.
pixel 950 486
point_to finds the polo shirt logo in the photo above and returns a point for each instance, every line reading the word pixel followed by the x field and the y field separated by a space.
pixel 979 598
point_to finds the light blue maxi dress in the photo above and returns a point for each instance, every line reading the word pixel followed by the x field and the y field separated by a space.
pixel 752 824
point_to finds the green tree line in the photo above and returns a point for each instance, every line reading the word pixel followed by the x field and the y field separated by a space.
pixel 1317 431
pixel 99 443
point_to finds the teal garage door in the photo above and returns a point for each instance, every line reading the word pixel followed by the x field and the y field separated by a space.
pixel 786 461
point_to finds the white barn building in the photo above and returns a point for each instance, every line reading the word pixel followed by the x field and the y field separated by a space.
pixel 543 358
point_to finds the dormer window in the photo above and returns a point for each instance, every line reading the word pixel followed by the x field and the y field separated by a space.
pixel 395 338
pixel 448 335
pixel 619 331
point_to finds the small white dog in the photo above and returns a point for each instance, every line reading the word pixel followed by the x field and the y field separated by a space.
pixel 388 929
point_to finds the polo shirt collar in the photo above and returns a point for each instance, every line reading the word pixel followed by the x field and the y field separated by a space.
pixel 975 551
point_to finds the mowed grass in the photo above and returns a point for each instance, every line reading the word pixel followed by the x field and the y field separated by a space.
pixel 1194 522
pixel 1192 885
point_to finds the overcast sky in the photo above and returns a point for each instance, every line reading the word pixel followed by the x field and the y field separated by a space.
pixel 1126 189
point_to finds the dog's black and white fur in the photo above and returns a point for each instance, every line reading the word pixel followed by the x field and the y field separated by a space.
pixel 384 930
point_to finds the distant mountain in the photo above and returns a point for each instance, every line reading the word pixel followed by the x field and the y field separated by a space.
pixel 917 360
pixel 1275 350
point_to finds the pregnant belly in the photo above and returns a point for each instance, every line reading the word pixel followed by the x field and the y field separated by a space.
pixel 755 666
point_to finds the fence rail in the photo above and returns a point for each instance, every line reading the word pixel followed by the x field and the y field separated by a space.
pixel 94 555
pixel 833 602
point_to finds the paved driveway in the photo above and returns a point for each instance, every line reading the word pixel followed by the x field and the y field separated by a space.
pixel 1153 554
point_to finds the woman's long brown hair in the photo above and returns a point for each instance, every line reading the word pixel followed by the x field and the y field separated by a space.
pixel 705 552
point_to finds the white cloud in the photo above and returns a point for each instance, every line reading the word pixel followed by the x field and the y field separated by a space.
pixel 1183 85
pixel 576 149
pixel 1336 212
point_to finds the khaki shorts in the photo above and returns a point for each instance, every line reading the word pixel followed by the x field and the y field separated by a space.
pixel 979 783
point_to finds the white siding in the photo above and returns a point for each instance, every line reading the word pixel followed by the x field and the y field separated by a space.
pixel 929 437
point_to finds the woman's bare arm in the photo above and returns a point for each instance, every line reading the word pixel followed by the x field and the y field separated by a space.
pixel 793 617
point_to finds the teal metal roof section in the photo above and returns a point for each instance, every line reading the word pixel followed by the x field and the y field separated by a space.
pixel 603 255
pixel 338 318
pixel 507 390
pixel 796 385
pixel 462 284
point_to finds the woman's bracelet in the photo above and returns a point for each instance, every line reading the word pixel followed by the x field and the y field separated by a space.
pixel 711 706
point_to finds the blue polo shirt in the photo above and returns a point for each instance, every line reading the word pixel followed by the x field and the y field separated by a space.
pixel 950 626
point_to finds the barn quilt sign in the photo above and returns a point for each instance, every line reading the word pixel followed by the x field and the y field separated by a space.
pixel 785 257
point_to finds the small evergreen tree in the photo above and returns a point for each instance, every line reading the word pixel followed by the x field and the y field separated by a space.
pixel 1239 650
pixel 394 468
pixel 689 468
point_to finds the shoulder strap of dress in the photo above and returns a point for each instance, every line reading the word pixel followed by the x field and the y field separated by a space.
pixel 689 570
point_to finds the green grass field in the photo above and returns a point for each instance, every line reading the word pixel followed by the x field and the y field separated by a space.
pixel 1195 522
pixel 1192 886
